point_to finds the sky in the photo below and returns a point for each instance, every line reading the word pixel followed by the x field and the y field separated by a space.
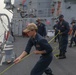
pixel 2 10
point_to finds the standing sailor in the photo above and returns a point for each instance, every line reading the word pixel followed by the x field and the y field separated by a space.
pixel 63 28
pixel 56 31
pixel 41 28
pixel 42 47
pixel 73 34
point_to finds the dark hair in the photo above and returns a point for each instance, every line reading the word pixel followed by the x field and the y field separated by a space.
pixel 73 22
pixel 61 16
pixel 56 20
pixel 38 20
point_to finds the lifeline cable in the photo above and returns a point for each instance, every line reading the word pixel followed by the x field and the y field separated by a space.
pixel 54 37
pixel 23 58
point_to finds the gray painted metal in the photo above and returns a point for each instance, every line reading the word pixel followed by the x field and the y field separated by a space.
pixel 40 9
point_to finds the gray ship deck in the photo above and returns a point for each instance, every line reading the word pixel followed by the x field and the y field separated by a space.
pixel 59 66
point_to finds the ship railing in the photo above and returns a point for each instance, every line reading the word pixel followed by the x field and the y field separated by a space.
pixel 44 12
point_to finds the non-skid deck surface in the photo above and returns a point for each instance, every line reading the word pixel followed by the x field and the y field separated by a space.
pixel 59 66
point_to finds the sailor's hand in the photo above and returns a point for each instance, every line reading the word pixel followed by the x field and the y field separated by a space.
pixel 59 31
pixel 17 60
pixel 55 28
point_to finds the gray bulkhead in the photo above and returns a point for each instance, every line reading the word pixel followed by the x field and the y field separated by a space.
pixel 40 9
pixel 34 9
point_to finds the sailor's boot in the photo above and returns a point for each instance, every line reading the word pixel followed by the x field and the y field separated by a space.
pixel 63 56
pixel 48 71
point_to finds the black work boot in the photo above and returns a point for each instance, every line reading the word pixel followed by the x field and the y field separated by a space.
pixel 70 45
pixel 48 71
pixel 63 56
pixel 49 74
pixel 74 45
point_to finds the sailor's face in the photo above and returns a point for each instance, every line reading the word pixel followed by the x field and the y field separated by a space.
pixel 73 24
pixel 30 33
pixel 38 21
pixel 60 19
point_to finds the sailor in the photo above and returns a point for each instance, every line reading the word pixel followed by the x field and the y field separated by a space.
pixel 42 47
pixel 56 31
pixel 63 28
pixel 73 39
pixel 41 28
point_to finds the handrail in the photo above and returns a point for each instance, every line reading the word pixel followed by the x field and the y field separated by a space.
pixel 1 14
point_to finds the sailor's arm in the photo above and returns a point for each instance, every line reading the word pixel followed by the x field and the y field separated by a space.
pixel 24 53
pixel 75 33
pixel 18 59
pixel 39 52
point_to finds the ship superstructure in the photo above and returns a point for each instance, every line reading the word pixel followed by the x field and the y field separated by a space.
pixel 26 11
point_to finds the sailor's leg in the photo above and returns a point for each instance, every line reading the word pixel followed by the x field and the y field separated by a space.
pixel 41 65
pixel 71 42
